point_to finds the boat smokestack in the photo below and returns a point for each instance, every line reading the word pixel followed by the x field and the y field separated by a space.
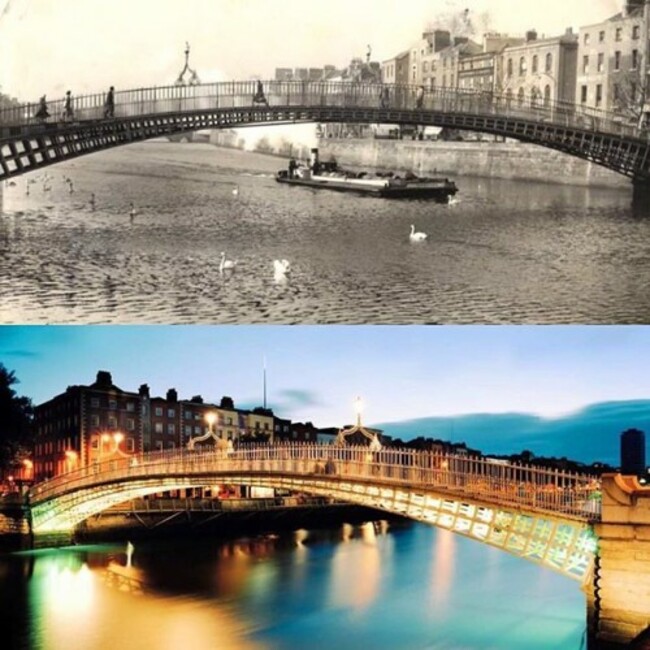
pixel 313 160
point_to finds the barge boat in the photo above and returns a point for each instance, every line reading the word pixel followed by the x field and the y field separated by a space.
pixel 328 176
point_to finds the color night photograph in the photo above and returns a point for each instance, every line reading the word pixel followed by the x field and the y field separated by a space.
pixel 324 325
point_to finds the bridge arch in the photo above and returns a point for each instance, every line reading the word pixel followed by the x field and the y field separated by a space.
pixel 465 496
pixel 141 114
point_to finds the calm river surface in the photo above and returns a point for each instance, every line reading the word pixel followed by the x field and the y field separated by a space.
pixel 367 586
pixel 503 252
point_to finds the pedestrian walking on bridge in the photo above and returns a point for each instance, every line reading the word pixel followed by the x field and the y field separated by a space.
pixel 109 104
pixel 67 106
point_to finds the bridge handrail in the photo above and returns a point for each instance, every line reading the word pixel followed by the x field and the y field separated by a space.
pixel 555 491
pixel 156 100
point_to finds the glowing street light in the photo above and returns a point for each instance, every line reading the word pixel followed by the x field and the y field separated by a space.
pixel 210 418
pixel 71 458
pixel 375 445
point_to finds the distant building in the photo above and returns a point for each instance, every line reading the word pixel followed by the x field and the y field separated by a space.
pixel 542 70
pixel 633 458
pixel 612 63
pixel 284 74
pixel 101 421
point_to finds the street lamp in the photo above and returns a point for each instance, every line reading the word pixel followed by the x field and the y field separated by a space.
pixel 375 445
pixel 71 458
pixel 29 469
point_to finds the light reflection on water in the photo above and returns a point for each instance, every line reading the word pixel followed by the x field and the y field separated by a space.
pixel 504 252
pixel 371 586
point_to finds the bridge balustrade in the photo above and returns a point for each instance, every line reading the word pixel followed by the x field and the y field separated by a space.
pixel 233 95
pixel 502 483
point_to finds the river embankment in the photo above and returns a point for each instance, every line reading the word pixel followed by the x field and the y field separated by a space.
pixel 509 160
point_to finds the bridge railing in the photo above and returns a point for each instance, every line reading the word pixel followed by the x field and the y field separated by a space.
pixel 392 99
pixel 484 479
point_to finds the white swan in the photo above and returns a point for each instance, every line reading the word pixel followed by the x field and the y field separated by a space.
pixel 226 265
pixel 417 236
pixel 281 266
pixel 280 270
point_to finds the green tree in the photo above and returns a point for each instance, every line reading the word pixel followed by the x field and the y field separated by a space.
pixel 16 414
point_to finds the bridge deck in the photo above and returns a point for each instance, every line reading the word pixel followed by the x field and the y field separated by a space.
pixel 27 143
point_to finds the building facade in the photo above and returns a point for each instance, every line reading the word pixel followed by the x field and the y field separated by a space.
pixel 540 70
pixel 613 62
pixel 101 421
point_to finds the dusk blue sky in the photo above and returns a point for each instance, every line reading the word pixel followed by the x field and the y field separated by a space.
pixel 315 373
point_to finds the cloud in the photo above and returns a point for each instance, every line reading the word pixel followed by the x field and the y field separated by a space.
pixel 298 397
pixel 286 402
pixel 23 354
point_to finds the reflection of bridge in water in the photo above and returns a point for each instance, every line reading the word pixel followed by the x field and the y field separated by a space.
pixel 591 134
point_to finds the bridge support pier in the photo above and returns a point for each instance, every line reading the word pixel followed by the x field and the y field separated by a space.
pixel 619 602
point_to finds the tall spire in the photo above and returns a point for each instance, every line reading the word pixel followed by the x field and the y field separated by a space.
pixel 264 362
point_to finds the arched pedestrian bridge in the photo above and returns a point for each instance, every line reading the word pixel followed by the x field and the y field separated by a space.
pixel 540 515
pixel 27 144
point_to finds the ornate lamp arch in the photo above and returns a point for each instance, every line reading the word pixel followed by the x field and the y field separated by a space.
pixel 194 78
pixel 375 444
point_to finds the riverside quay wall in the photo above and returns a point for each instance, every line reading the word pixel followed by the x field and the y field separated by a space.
pixel 508 160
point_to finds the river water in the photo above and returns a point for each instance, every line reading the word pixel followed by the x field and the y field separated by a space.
pixel 370 586
pixel 504 251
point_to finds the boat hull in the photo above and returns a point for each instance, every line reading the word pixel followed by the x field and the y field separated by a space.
pixel 439 190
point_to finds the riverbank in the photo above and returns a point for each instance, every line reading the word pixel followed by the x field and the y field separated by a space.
pixel 508 160
pixel 484 158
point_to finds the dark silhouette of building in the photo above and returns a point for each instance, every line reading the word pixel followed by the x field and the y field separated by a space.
pixel 633 461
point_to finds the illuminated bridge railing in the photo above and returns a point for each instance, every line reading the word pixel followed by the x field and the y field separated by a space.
pixel 162 100
pixel 541 490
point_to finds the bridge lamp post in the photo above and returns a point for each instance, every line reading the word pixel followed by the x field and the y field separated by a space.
pixel 71 459
pixel 29 469
pixel 211 418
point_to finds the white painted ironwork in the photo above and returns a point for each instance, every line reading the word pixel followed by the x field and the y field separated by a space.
pixel 539 514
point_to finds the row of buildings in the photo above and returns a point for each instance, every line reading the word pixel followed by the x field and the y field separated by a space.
pixel 604 65
pixel 99 421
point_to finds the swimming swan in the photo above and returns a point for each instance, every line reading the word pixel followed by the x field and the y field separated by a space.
pixel 226 265
pixel 417 236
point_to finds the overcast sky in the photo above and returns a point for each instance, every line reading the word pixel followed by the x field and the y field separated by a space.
pixel 315 373
pixel 49 46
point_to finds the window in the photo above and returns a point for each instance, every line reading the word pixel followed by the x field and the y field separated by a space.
pixel 158 411
pixel 197 431
pixel 583 95
pixel 617 92
pixel 94 420
pixel 619 31
pixel 599 95
pixel 586 39
pixel 633 91
pixel 187 415
pixel 159 445
pixel 112 404
pixel 510 67
pixel 617 60
pixel 635 32
pixel 188 430
pixel 171 413
pixel 130 446
pixel 112 422
pixel 425 67
pixel 522 65
pixel 601 37
pixel 585 64
pixel 130 406
pixel 520 96
pixel 94 401
pixel 158 427
pixel 130 424
pixel 534 70
pixel 635 59
pixel 94 443
pixel 549 62
pixel 171 429
pixel 601 62
pixel 171 444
